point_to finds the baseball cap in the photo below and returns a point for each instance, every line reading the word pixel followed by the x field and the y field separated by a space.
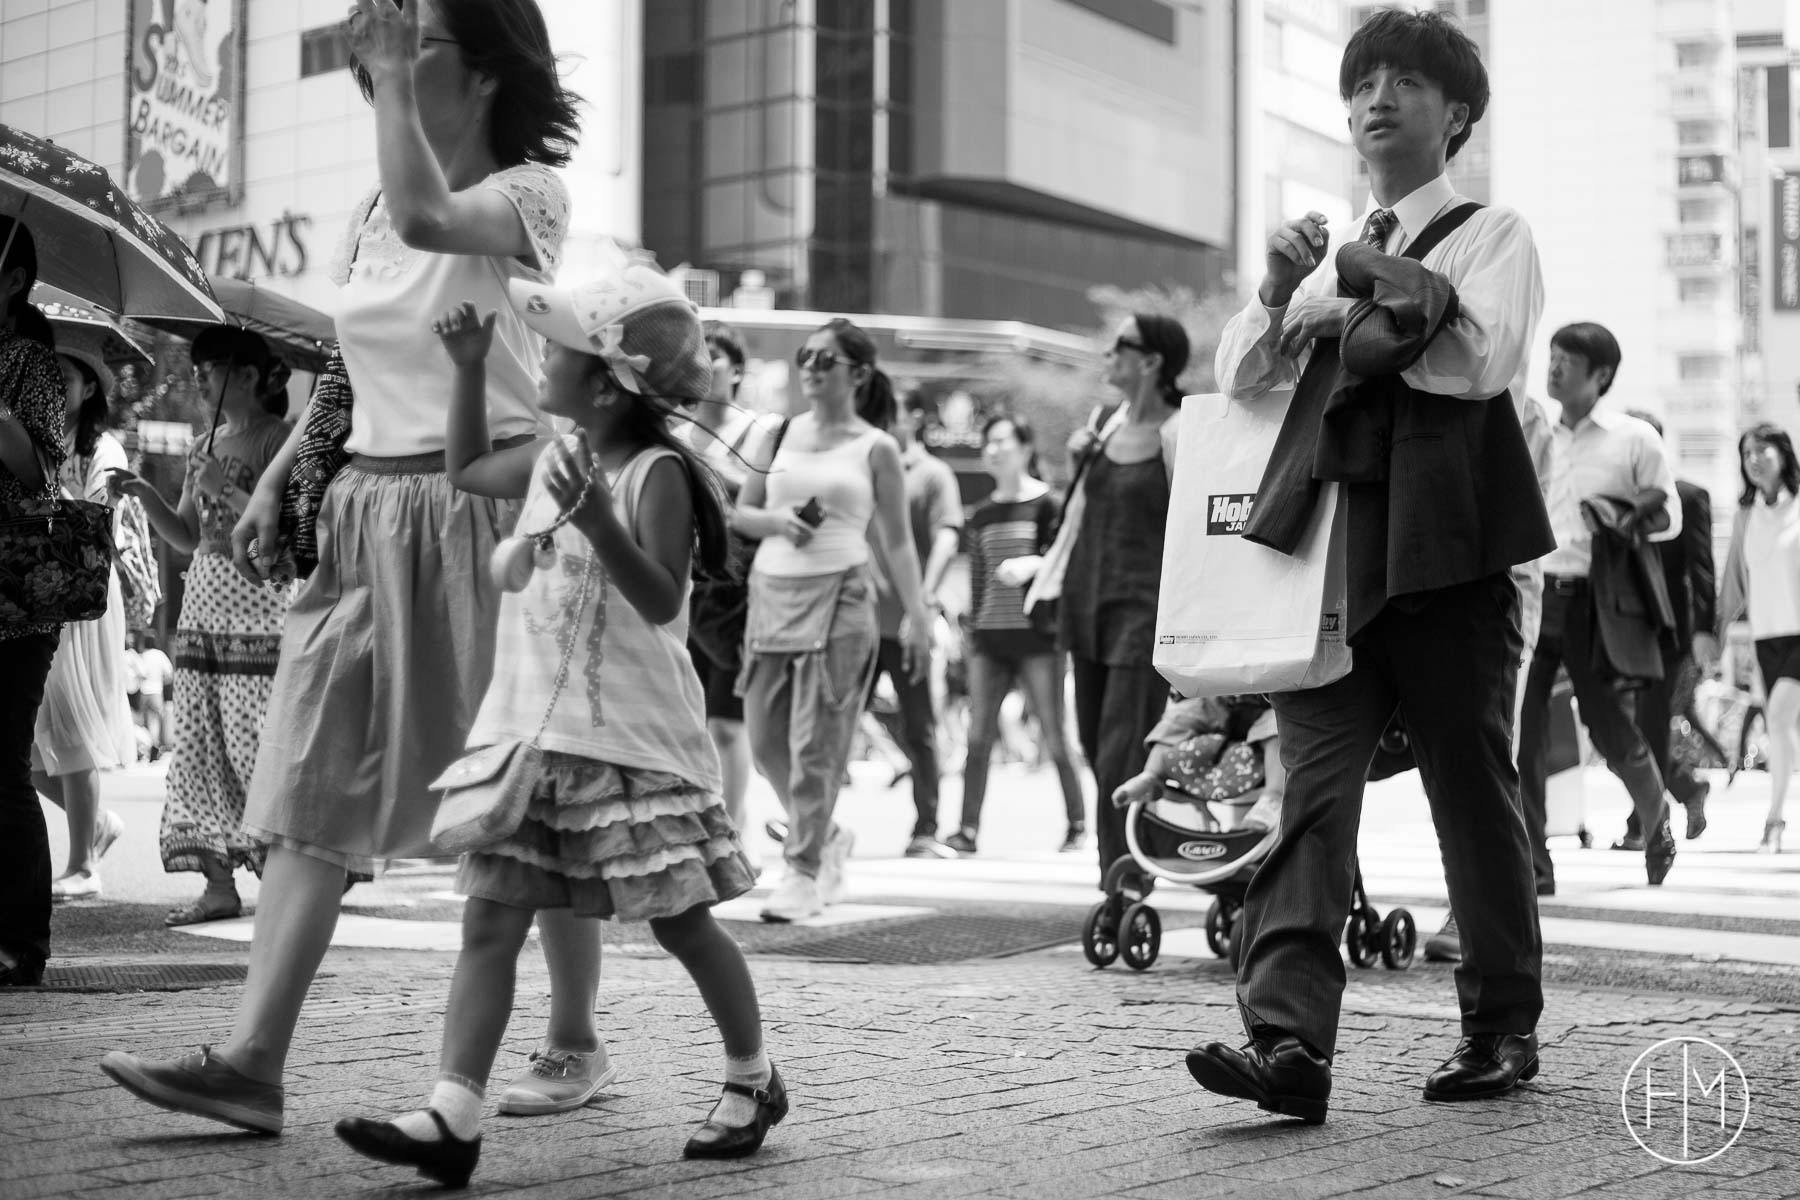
pixel 636 318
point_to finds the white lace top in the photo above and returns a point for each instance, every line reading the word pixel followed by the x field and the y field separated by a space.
pixel 398 370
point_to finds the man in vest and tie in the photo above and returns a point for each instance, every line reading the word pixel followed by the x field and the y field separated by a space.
pixel 1442 500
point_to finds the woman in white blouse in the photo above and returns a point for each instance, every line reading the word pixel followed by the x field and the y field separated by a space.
pixel 390 642
pixel 1762 584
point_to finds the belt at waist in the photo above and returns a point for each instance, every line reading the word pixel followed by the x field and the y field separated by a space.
pixel 419 464
pixel 1566 585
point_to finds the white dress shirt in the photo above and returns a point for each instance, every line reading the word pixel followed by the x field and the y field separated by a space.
pixel 1605 454
pixel 1493 263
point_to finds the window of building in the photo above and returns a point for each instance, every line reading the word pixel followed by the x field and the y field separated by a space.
pixel 1698 448
pixel 1700 368
pixel 1698 291
pixel 1696 133
pixel 1475 8
pixel 1274 44
pixel 1152 17
pixel 1697 211
pixel 324 50
pixel 1695 54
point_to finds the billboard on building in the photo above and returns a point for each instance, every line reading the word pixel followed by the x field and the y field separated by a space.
pixel 1784 226
pixel 184 102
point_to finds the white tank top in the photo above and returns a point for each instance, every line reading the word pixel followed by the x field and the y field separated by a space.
pixel 843 482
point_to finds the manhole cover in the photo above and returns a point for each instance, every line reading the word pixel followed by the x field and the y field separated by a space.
pixel 922 941
pixel 142 977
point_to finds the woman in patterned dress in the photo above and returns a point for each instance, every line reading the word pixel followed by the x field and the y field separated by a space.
pixel 228 636
pixel 31 451
pixel 388 647
pixel 84 723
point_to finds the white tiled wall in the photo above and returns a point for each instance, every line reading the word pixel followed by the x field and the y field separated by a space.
pixel 62 73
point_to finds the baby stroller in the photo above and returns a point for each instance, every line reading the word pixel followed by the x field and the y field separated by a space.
pixel 1205 812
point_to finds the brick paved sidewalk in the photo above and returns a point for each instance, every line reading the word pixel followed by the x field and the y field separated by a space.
pixel 1025 1077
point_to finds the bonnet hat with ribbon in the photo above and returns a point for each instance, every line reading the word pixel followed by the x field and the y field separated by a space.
pixel 636 318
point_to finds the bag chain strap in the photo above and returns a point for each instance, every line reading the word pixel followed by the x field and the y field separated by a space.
pixel 568 651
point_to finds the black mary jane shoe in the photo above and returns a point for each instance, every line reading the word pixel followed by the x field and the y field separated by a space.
pixel 714 1140
pixel 450 1160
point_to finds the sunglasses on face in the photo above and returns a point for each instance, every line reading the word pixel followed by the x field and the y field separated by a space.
pixel 1125 343
pixel 817 360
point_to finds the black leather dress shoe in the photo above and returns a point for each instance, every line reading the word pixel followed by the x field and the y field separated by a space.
pixel 1485 1064
pixel 1659 854
pixel 713 1140
pixel 20 975
pixel 1276 1069
pixel 449 1160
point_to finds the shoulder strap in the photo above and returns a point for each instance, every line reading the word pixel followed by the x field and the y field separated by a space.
pixel 1439 229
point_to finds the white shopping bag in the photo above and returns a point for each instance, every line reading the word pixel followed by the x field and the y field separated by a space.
pixel 1234 616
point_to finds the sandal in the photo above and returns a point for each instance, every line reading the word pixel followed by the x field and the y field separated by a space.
pixel 199 911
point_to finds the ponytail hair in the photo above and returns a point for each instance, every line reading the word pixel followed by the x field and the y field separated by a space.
pixel 876 401
pixel 646 419
pixel 1165 337
pixel 237 347
pixel 20 254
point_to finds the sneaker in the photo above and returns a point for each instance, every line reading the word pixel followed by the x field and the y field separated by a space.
pixel 108 832
pixel 925 846
pixel 796 898
pixel 833 863
pixel 961 841
pixel 202 1085
pixel 557 1081
pixel 1073 840
pixel 1446 944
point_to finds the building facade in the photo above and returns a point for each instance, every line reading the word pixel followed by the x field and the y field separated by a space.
pixel 942 158
pixel 258 98
pixel 1769 216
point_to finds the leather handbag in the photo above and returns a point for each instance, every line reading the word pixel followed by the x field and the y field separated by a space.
pixel 56 557
pixel 486 792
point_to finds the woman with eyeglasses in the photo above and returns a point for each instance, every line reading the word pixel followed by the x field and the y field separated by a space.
pixel 834 491
pixel 228 634
pixel 389 644
pixel 1108 564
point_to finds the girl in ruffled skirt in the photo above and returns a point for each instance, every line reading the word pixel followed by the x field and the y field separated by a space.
pixel 625 818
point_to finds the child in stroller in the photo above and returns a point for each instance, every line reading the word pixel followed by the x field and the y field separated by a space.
pixel 1204 812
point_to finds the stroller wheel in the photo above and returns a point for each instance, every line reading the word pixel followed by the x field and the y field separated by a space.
pixel 1218 930
pixel 1399 937
pixel 1100 933
pixel 1358 938
pixel 1140 936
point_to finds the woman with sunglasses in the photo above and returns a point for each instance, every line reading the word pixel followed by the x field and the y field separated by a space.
pixel 228 635
pixel 1108 563
pixel 388 647
pixel 835 490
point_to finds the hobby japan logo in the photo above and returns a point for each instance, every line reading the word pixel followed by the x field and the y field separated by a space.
pixel 1685 1101
pixel 1228 514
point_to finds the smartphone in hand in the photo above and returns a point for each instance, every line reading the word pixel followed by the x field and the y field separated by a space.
pixel 812 512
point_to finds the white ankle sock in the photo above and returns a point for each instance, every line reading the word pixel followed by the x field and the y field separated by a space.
pixel 751 1071
pixel 458 1101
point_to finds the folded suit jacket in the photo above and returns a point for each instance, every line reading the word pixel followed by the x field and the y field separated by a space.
pixel 1632 611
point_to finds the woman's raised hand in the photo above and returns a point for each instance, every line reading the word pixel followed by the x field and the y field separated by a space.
pixel 384 36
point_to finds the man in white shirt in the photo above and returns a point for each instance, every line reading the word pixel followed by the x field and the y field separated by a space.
pixel 1433 612
pixel 1598 452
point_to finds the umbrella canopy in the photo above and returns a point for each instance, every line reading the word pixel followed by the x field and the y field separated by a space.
pixel 118 342
pixel 299 334
pixel 93 242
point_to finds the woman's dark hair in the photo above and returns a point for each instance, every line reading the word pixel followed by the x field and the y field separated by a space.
pixel 1022 430
pixel 21 255
pixel 875 399
pixel 1594 343
pixel 535 118
pixel 1164 336
pixel 1769 434
pixel 237 347
pixel 1426 42
pixel 90 418
pixel 725 339
pixel 645 420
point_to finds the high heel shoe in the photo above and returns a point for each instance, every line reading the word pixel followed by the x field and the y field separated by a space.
pixel 714 1140
pixel 449 1160
pixel 1771 838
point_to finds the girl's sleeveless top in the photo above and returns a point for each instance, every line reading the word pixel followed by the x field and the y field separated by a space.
pixel 843 482
pixel 631 698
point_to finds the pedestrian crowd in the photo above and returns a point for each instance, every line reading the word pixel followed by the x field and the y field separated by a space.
pixel 554 593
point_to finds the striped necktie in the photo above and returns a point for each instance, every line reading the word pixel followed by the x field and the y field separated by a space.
pixel 1381 223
